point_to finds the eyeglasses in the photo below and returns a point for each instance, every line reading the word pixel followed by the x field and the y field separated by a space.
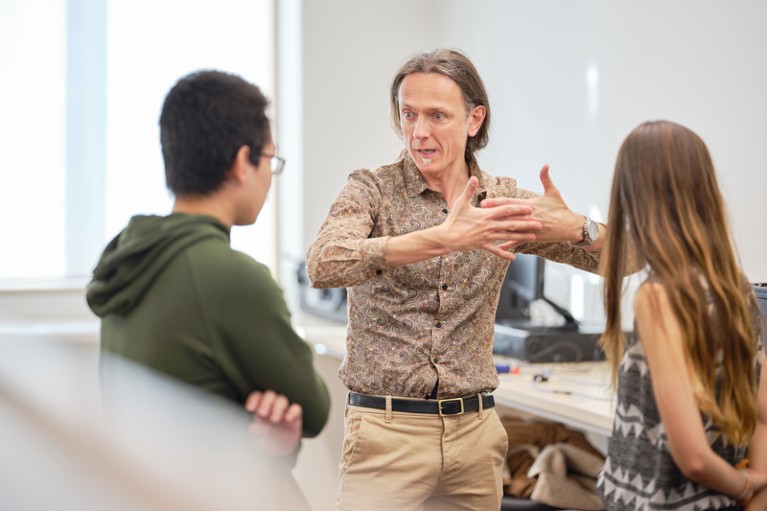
pixel 277 163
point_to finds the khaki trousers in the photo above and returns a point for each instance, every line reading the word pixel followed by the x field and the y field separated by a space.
pixel 411 461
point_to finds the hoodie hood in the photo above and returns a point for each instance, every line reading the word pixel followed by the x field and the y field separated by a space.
pixel 133 259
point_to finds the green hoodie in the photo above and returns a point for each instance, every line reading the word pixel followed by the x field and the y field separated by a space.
pixel 173 295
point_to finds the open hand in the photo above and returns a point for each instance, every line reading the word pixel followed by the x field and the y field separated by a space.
pixel 468 227
pixel 559 222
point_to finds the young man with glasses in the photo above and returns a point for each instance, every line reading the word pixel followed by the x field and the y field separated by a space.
pixel 173 295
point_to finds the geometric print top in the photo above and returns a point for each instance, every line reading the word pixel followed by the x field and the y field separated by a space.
pixel 639 472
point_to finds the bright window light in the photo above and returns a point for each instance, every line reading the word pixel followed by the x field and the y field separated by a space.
pixel 50 175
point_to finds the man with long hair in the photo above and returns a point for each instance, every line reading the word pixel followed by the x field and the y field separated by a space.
pixel 423 246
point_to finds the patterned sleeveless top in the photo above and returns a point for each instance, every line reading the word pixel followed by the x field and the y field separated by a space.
pixel 639 472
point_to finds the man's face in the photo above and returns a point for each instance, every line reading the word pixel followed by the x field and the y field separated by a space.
pixel 435 123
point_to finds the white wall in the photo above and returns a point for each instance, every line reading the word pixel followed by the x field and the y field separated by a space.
pixel 347 51
pixel 698 62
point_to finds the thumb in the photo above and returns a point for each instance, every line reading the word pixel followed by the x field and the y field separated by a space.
pixel 466 194
pixel 548 183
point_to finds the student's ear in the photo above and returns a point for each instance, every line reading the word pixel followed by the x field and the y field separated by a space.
pixel 240 166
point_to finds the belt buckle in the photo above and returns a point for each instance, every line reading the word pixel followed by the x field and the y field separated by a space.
pixel 439 405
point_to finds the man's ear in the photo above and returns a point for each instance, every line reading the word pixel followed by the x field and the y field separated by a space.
pixel 239 170
pixel 476 118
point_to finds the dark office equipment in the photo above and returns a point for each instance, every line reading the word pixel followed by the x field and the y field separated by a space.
pixel 329 303
pixel 543 345
pixel 517 337
pixel 522 286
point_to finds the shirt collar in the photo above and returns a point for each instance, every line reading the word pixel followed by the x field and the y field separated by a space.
pixel 415 184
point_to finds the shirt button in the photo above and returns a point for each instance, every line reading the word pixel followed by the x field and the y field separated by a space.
pixel 444 287
pixel 439 324
pixel 444 211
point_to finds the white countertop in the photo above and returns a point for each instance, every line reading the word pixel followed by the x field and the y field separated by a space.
pixel 577 394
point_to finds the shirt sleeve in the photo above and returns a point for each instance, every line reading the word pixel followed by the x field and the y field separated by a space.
pixel 345 252
pixel 256 346
pixel 562 252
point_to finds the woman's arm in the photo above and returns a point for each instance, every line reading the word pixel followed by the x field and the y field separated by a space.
pixel 757 448
pixel 662 339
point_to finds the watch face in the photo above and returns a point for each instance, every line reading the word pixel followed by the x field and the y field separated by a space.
pixel 592 229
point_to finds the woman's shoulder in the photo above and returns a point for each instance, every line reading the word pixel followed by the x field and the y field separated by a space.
pixel 650 294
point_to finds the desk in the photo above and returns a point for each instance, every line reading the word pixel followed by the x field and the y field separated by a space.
pixel 576 394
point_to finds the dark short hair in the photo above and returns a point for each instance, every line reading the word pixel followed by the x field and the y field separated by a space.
pixel 206 118
pixel 456 66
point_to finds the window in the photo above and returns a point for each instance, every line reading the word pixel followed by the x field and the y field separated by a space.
pixel 81 94
pixel 32 137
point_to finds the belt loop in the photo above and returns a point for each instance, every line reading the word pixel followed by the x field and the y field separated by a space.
pixel 481 410
pixel 387 416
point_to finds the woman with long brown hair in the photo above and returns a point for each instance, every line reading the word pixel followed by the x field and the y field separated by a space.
pixel 690 404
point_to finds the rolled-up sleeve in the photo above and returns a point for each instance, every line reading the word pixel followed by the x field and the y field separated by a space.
pixel 345 252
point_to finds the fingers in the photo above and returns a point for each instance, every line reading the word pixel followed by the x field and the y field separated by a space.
pixel 510 245
pixel 508 210
pixel 502 201
pixel 498 251
pixel 547 182
pixel 505 250
pixel 253 400
pixel 294 413
pixel 466 194
pixel 549 189
pixel 519 227
pixel 508 236
pixel 273 407
pixel 512 217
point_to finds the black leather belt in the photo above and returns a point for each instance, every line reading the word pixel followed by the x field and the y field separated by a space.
pixel 454 406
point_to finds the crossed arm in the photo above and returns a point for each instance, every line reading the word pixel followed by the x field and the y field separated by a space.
pixel 276 426
pixel 757 448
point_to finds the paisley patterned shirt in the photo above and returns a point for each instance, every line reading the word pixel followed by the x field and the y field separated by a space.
pixel 429 321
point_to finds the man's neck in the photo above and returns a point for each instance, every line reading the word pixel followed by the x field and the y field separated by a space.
pixel 450 183
pixel 208 205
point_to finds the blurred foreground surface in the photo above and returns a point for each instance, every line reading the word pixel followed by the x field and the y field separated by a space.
pixel 82 433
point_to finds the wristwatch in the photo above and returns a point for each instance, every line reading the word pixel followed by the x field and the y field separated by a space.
pixel 590 233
